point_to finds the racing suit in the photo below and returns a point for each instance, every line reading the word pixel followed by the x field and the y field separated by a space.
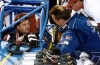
pixel 79 35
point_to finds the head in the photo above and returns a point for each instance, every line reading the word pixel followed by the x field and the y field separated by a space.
pixel 75 4
pixel 60 14
pixel 24 25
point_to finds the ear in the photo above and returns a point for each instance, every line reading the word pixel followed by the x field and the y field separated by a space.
pixel 62 21
pixel 18 27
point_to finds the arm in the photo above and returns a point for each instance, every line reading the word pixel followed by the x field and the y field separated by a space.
pixel 69 42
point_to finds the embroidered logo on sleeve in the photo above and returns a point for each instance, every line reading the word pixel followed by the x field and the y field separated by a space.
pixel 66 42
pixel 68 37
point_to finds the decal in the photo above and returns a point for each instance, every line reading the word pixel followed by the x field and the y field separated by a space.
pixel 68 37
pixel 66 42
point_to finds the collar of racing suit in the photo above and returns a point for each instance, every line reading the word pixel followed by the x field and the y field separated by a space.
pixel 65 25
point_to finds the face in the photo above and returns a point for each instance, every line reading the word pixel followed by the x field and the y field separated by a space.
pixel 77 5
pixel 58 22
pixel 24 26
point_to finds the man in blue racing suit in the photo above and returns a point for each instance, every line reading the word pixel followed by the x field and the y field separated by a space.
pixel 78 34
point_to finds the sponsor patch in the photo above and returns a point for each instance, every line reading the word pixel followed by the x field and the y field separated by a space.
pixel 66 42
pixel 68 37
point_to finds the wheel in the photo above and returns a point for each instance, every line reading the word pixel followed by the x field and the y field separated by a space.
pixel 19 49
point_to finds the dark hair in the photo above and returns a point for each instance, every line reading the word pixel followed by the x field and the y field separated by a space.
pixel 60 12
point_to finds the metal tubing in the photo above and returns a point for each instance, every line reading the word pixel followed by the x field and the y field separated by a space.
pixel 38 8
pixel 46 19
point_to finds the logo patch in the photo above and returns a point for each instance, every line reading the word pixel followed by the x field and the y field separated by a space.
pixel 66 42
pixel 68 37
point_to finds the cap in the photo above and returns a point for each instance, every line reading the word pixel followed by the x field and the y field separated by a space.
pixel 18 16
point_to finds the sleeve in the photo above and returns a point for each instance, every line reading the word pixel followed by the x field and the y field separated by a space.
pixel 92 8
pixel 68 42
pixel 9 37
pixel 6 37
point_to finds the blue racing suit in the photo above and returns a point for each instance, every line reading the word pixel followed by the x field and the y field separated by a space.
pixel 79 35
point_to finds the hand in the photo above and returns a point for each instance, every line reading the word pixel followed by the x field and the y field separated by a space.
pixel 19 40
